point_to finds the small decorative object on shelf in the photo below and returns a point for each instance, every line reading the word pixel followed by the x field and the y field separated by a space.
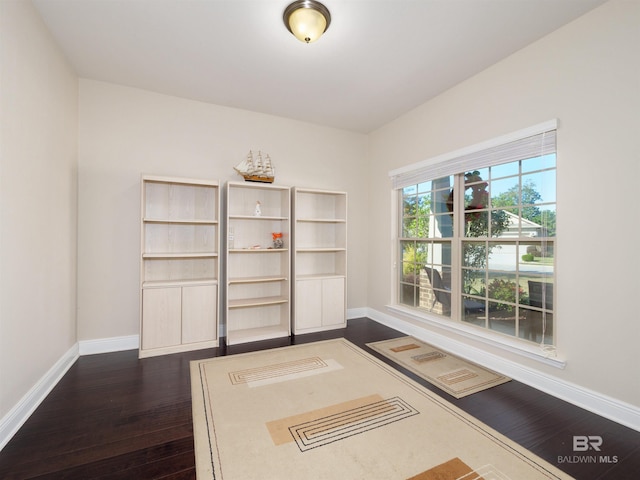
pixel 258 211
pixel 277 240
pixel 256 170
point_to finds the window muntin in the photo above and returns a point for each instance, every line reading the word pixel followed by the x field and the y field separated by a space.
pixel 503 247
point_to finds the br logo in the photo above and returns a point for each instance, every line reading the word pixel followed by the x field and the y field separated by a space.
pixel 583 443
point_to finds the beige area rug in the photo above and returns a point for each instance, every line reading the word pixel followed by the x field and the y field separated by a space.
pixel 454 375
pixel 329 410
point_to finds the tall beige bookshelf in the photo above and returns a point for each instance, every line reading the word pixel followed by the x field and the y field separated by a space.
pixel 179 264
pixel 257 271
pixel 319 260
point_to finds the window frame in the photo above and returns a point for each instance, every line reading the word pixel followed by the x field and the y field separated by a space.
pixel 455 321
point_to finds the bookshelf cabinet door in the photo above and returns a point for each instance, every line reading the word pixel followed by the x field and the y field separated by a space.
pixel 333 307
pixel 161 312
pixel 199 313
pixel 308 304
pixel 319 304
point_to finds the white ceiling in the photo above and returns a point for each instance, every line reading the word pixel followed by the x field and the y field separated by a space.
pixel 378 59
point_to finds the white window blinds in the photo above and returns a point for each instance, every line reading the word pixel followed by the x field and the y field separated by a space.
pixel 528 143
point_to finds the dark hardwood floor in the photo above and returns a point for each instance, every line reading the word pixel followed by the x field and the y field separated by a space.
pixel 113 416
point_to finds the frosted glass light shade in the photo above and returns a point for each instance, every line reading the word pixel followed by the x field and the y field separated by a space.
pixel 307 20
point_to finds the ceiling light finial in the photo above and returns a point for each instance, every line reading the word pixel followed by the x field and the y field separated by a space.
pixel 307 19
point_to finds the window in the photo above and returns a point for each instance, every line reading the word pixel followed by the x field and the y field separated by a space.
pixel 476 236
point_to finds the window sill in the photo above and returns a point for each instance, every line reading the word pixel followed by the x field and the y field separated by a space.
pixel 514 345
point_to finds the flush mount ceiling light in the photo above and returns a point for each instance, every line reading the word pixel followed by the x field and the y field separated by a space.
pixel 307 20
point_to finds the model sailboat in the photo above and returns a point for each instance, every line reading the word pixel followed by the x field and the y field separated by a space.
pixel 256 169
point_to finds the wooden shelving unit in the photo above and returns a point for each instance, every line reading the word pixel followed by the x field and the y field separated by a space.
pixel 319 260
pixel 257 273
pixel 179 264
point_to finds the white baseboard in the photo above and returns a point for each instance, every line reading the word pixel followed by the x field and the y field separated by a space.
pixel 598 403
pixel 108 345
pixel 21 412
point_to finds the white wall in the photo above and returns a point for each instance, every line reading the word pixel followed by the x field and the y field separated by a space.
pixel 38 159
pixel 586 74
pixel 125 132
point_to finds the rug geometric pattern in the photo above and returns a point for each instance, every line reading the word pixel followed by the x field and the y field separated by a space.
pixel 452 374
pixel 330 410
